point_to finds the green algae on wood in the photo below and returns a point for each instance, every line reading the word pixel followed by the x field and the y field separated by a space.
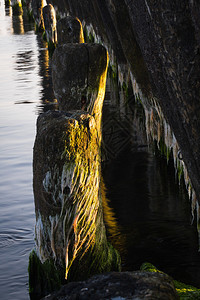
pixel 112 71
pixel 88 35
pixel 184 291
pixel 43 277
pixel 66 170
pixel 69 217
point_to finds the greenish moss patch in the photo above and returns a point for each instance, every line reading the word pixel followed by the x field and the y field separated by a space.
pixel 112 72
pixel 184 291
pixel 88 37
pixel 43 278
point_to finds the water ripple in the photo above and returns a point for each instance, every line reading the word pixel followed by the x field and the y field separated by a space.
pixel 6 240
pixel 9 238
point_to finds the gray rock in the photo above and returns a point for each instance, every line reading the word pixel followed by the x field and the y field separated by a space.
pixel 70 31
pixel 117 286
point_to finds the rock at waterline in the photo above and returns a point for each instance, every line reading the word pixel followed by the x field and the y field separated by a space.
pixel 69 30
pixel 119 286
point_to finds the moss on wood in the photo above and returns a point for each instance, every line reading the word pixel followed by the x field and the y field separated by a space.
pixel 43 277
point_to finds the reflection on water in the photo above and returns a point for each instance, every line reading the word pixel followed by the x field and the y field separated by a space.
pixel 24 63
pixel 48 101
pixel 112 225
pixel 8 11
pixel 18 24
pixel 148 218
pixel 20 83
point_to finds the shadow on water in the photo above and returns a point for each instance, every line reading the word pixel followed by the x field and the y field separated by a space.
pixel 151 210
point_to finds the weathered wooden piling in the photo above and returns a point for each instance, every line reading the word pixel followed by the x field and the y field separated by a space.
pixel 70 234
pixel 49 17
pixel 17 7
pixel 70 30
pixel 79 78
pixel 37 6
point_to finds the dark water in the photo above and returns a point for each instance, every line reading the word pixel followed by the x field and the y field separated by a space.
pixel 149 218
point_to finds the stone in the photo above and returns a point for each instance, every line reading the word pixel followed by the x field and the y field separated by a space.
pixel 70 30
pixel 184 291
pixel 119 286
pixel 49 17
